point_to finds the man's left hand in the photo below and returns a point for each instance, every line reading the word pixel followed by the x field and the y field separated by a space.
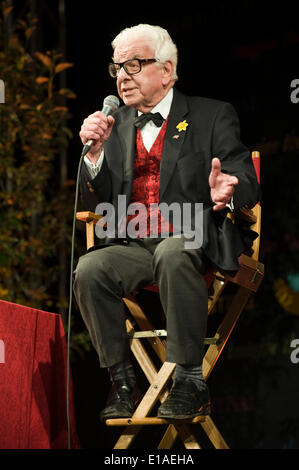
pixel 222 185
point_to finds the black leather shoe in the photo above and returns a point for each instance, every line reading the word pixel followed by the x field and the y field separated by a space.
pixel 121 401
pixel 185 401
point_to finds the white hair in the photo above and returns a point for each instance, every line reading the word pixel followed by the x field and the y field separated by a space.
pixel 163 45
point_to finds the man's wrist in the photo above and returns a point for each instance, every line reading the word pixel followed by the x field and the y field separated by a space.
pixel 94 158
pixel 94 168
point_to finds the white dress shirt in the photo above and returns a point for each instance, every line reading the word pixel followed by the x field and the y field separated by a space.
pixel 150 131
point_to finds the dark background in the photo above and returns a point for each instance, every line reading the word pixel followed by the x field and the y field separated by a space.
pixel 244 52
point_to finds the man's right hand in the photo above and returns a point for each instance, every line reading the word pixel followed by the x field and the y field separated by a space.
pixel 97 127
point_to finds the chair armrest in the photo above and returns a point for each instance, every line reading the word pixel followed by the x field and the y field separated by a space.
pixel 88 216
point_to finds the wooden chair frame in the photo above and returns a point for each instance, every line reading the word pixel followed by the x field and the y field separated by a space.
pixel 248 279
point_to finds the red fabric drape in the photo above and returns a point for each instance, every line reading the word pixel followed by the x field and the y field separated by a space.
pixel 33 380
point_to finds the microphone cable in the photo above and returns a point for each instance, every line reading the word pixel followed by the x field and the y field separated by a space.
pixel 70 304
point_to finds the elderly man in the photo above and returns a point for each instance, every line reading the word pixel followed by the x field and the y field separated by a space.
pixel 166 158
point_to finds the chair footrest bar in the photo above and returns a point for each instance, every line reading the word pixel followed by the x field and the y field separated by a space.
pixel 159 333
pixel 151 421
pixel 147 334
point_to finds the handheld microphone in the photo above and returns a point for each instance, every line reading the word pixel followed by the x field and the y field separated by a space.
pixel 110 105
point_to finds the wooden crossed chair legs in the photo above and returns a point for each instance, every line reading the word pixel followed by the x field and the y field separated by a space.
pixel 247 280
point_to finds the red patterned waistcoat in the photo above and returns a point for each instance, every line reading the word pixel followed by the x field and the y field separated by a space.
pixel 146 184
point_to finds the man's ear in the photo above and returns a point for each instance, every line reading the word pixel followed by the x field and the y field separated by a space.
pixel 168 68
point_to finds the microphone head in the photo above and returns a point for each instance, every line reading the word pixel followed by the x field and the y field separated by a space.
pixel 111 102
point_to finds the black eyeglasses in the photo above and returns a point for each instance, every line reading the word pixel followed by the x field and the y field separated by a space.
pixel 130 66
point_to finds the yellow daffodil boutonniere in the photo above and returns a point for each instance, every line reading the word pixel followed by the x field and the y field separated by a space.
pixel 182 126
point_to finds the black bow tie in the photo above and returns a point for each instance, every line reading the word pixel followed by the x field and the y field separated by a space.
pixel 141 120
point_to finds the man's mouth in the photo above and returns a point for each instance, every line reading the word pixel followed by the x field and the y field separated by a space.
pixel 126 91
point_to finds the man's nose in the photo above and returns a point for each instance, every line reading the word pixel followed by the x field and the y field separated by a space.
pixel 123 75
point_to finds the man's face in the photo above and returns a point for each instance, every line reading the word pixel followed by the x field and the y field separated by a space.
pixel 145 89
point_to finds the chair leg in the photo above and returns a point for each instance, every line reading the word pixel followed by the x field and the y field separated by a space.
pixel 146 404
pixel 213 434
pixel 156 391
pixel 169 438
pixel 225 329
pixel 158 381
pixel 144 324
pixel 181 430
pixel 219 285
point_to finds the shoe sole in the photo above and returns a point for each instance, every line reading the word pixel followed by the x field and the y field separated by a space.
pixel 114 416
pixel 204 410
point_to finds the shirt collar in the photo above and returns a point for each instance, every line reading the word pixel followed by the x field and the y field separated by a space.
pixel 163 107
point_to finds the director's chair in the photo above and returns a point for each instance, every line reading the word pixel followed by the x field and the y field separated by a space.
pixel 247 280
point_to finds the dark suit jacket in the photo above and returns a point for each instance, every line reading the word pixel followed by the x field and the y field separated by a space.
pixel 213 131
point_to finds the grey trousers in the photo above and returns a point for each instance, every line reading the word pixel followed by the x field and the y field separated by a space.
pixel 104 276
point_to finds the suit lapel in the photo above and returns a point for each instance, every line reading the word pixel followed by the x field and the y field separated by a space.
pixel 173 139
pixel 127 133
